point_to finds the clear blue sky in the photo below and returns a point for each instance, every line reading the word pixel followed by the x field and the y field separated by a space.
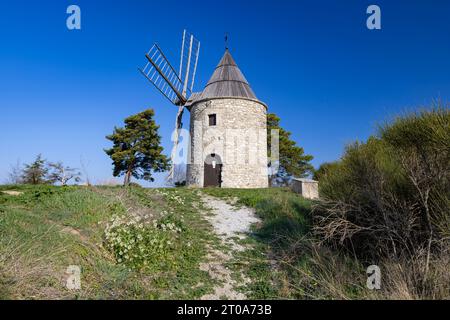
pixel 315 64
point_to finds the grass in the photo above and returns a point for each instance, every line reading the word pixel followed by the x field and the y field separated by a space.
pixel 283 259
pixel 136 243
pixel 49 228
pixel 45 229
pixel 284 216
pixel 286 260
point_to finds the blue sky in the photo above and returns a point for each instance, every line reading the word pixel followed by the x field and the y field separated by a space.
pixel 315 64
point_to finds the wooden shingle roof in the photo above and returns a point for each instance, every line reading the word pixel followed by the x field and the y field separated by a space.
pixel 227 81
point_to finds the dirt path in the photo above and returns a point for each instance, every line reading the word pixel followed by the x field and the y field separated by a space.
pixel 229 224
pixel 12 192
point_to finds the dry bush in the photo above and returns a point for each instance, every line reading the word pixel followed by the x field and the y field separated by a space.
pixel 389 200
pixel 112 182
pixel 404 279
pixel 313 271
pixel 24 276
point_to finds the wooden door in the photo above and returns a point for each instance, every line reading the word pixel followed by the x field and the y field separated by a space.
pixel 212 173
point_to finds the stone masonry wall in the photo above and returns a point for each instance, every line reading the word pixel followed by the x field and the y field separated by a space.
pixel 309 189
pixel 239 139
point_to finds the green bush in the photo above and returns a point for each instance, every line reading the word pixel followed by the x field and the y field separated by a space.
pixel 387 201
pixel 137 243
pixel 390 196
pixel 160 240
pixel 324 169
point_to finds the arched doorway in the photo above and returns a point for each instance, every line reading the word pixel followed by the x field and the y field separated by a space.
pixel 212 176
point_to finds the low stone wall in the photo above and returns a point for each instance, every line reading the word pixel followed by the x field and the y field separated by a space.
pixel 309 189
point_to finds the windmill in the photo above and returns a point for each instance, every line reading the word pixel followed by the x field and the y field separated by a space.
pixel 175 86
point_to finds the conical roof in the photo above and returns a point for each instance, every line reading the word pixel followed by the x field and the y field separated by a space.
pixel 227 81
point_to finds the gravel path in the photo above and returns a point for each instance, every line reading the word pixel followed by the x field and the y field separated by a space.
pixel 229 224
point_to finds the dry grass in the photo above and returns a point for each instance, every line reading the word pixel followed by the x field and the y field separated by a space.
pixel 386 202
pixel 25 276
pixel 46 229
pixel 404 279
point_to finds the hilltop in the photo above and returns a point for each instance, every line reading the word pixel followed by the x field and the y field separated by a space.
pixel 130 243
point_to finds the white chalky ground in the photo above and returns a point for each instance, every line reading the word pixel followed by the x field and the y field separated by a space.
pixel 229 223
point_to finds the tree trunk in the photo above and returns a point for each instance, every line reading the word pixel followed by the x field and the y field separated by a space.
pixel 127 178
pixel 271 179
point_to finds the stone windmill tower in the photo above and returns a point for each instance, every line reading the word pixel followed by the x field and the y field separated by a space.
pixel 228 130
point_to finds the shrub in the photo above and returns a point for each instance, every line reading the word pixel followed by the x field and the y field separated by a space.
pixel 134 185
pixel 140 243
pixel 390 197
pixel 323 170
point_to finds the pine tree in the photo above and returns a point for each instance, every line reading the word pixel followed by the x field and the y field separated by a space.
pixel 35 172
pixel 136 148
pixel 293 160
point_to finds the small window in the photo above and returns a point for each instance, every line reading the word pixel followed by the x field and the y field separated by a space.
pixel 212 119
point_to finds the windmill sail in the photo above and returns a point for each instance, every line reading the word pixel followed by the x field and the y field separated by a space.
pixel 175 86
pixel 162 75
pixel 190 49
pixel 175 138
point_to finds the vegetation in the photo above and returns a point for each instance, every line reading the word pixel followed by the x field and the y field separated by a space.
pixel 35 172
pixel 285 221
pixel 130 243
pixel 324 169
pixel 62 174
pixel 387 202
pixel 41 171
pixel 292 159
pixel 136 148
pixel 15 174
pixel 283 259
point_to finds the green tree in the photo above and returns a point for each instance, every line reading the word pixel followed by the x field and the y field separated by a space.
pixel 292 159
pixel 136 148
pixel 35 172
pixel 324 169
